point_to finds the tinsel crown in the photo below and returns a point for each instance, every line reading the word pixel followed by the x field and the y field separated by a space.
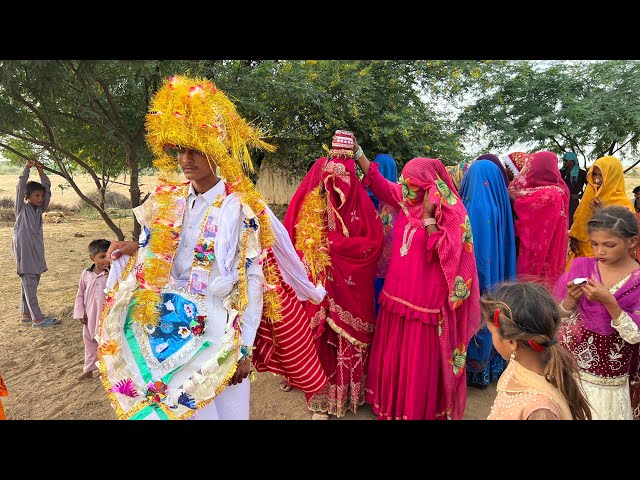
pixel 191 112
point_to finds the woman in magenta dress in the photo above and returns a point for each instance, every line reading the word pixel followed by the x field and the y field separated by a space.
pixel 429 306
pixel 541 204
pixel 333 225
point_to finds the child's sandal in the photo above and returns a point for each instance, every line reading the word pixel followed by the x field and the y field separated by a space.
pixel 46 322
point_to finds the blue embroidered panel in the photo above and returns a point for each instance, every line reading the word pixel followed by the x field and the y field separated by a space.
pixel 173 332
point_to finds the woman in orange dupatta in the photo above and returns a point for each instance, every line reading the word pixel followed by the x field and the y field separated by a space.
pixel 605 187
pixel 541 205
pixel 334 227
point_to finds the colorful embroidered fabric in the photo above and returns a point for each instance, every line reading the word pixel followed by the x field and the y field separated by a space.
pixel 346 317
pixel 541 206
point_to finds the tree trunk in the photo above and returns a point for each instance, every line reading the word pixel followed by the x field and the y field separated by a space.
pixel 134 189
pixel 105 216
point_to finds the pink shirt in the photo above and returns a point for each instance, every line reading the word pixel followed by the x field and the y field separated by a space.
pixel 90 298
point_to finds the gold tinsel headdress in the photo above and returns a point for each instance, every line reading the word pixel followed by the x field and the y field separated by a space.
pixel 193 113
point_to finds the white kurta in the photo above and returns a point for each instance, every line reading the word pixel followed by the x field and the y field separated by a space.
pixel 233 402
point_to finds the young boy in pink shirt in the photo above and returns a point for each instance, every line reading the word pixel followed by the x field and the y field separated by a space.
pixel 89 300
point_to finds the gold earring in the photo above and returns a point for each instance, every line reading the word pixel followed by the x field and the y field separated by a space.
pixel 513 356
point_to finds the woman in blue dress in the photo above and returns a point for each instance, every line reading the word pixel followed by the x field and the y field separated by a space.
pixel 485 196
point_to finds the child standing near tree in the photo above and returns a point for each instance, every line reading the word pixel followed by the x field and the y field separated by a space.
pixel 32 199
pixel 89 301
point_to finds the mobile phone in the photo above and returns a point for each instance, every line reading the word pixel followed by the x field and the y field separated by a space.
pixel 579 280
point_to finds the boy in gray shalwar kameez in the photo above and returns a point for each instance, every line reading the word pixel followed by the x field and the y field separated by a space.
pixel 32 199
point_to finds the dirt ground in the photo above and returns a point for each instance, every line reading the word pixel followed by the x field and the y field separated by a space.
pixel 40 366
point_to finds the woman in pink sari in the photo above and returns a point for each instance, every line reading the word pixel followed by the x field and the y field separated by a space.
pixel 335 229
pixel 541 205
pixel 429 306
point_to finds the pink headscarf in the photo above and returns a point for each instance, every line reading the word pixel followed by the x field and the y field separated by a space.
pixel 455 252
pixel 539 170
pixel 541 205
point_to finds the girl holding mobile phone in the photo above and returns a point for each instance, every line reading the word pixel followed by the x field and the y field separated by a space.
pixel 601 316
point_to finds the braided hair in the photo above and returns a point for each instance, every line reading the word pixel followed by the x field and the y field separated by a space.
pixel 529 315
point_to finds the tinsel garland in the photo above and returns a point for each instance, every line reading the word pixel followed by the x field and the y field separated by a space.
pixel 271 303
pixel 311 234
pixel 163 243
pixel 242 301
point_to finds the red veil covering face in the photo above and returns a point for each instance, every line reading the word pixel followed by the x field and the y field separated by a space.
pixel 542 207
pixel 353 235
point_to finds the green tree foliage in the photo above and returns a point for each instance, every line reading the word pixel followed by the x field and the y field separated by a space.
pixel 592 108
pixel 303 102
pixel 87 117
pixel 80 117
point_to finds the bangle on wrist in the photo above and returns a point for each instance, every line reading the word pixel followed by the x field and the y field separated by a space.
pixel 358 153
pixel 561 305
pixel 428 221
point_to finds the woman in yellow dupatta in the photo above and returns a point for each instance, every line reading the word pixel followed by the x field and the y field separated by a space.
pixel 605 187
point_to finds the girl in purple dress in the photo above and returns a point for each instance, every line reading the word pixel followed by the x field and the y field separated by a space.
pixel 600 305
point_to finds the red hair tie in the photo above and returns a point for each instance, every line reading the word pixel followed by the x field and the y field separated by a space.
pixel 535 346
pixel 496 316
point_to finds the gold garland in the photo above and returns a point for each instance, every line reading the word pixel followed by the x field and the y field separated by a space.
pixel 311 234
pixel 271 303
pixel 242 301
pixel 192 112
pixel 163 243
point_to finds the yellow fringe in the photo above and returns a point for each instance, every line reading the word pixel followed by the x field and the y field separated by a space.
pixel 146 310
pixel 311 234
pixel 192 112
pixel 243 286
pixel 163 244
pixel 271 302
